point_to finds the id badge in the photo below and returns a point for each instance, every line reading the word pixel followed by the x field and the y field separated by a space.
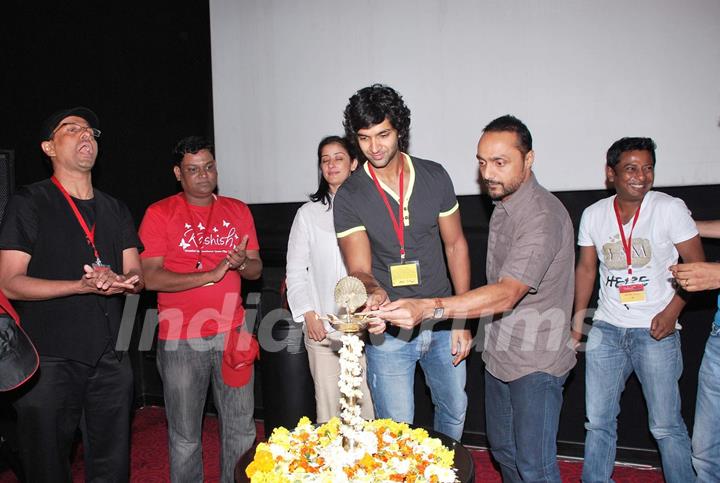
pixel 100 266
pixel 405 274
pixel 632 293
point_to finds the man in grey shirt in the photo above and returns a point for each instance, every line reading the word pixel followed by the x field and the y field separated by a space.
pixel 528 350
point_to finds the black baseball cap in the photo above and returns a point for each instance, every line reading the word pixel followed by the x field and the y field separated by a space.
pixel 55 118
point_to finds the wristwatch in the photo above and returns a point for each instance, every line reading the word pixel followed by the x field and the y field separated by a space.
pixel 439 310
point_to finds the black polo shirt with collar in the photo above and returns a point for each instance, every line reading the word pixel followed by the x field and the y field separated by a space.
pixel 358 206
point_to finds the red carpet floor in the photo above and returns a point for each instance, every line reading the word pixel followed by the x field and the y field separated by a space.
pixel 150 461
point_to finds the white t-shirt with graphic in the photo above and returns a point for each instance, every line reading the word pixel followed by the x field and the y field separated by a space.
pixel 664 221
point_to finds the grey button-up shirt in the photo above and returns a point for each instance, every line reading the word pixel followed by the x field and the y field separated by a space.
pixel 531 240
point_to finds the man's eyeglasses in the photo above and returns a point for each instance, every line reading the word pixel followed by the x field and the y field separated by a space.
pixel 73 129
pixel 195 170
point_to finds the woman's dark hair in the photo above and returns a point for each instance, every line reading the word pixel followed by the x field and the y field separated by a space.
pixel 323 192
pixel 372 105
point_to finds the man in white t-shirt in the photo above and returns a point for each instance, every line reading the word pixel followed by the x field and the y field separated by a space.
pixel 636 235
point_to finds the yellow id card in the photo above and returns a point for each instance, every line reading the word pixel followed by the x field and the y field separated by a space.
pixel 632 293
pixel 405 274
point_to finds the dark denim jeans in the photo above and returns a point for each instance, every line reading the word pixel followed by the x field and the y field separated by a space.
pixel 521 419
pixel 186 368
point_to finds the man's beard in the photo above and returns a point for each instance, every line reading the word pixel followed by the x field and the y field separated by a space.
pixel 506 189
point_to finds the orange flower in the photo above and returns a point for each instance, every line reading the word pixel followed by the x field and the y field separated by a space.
pixel 368 463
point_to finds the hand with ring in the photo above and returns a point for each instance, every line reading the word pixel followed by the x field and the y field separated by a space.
pixel 704 275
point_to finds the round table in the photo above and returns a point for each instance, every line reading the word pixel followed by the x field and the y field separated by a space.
pixel 463 460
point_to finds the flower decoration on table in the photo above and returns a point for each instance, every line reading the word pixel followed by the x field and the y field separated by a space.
pixel 350 449
pixel 386 451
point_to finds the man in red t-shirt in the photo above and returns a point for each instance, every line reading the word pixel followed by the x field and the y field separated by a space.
pixel 198 247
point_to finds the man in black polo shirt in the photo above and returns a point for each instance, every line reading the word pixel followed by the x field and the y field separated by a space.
pixel 68 252
pixel 395 219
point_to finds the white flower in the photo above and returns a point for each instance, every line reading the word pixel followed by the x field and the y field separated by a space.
pixel 349 384
pixel 444 475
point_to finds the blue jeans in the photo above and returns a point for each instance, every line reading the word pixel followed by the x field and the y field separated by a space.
pixel 706 432
pixel 186 368
pixel 521 420
pixel 391 377
pixel 613 353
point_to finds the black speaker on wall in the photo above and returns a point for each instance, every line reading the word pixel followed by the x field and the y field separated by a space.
pixel 7 178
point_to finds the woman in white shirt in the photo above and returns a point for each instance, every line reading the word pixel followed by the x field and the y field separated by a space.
pixel 314 265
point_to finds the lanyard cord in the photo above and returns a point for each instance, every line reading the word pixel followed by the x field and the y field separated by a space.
pixel 398 224
pixel 626 243
pixel 89 232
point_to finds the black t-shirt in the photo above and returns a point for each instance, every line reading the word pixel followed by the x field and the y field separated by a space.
pixel 86 209
pixel 39 221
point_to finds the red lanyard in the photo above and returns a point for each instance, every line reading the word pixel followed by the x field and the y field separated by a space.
pixel 397 222
pixel 627 243
pixel 201 242
pixel 89 233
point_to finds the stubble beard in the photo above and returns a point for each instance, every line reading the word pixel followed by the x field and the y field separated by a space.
pixel 506 190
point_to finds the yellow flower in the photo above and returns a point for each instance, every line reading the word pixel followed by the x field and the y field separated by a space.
pixel 328 432
pixel 262 447
pixel 445 457
pixel 280 436
pixel 268 478
pixel 419 435
pixel 304 421
pixel 264 461
pixel 251 469
pixel 432 444
pixel 332 426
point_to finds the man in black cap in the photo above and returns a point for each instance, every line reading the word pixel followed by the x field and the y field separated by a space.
pixel 68 253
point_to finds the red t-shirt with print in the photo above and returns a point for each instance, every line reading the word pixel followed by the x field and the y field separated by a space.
pixel 184 234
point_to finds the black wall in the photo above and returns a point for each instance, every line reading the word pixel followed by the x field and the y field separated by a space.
pixel 144 67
